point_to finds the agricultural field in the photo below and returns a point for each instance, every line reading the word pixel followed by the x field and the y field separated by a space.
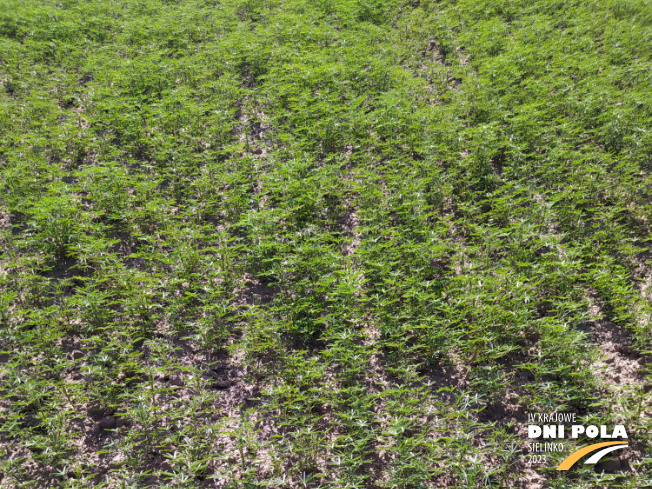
pixel 323 243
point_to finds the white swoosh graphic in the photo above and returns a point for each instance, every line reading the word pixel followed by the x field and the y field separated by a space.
pixel 595 458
